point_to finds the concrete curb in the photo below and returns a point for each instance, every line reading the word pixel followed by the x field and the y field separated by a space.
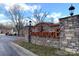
pixel 22 51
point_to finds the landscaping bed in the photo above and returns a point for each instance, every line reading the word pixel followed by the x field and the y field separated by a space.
pixel 43 50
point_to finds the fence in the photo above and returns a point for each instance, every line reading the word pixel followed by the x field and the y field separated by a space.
pixel 46 34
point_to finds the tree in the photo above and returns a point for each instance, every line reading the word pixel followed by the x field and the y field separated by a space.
pixel 16 15
pixel 40 16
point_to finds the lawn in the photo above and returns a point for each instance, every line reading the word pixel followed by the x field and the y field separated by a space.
pixel 43 50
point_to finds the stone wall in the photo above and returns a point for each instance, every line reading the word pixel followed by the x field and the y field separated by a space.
pixel 45 41
pixel 70 37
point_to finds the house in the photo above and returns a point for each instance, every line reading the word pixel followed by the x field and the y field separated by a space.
pixel 6 30
pixel 46 29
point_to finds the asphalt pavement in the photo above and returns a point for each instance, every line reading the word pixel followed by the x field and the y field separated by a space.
pixel 8 48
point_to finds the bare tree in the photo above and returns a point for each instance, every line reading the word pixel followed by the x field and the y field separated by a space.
pixel 16 15
pixel 40 16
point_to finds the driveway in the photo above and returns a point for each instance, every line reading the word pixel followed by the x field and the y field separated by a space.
pixel 8 48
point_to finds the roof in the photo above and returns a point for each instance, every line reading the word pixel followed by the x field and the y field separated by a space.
pixel 68 17
pixel 46 24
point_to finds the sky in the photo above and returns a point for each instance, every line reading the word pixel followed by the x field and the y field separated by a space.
pixel 55 10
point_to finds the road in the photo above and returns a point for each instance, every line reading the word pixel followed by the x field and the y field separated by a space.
pixel 9 49
pixel 6 49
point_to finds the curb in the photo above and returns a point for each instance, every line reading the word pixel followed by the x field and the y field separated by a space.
pixel 22 51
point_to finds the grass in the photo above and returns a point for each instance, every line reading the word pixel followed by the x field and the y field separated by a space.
pixel 43 50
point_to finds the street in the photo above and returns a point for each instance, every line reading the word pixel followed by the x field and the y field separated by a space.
pixel 9 49
pixel 6 49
